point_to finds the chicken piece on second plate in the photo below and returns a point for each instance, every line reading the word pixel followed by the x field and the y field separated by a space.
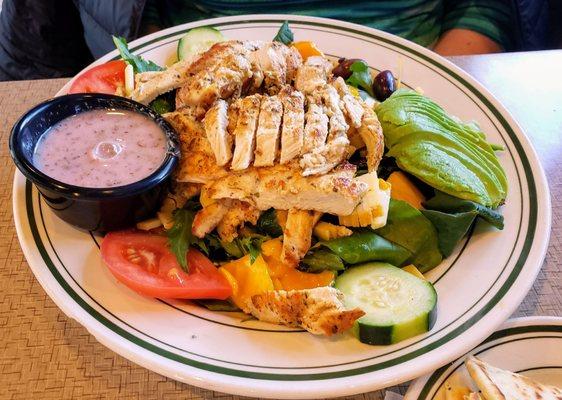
pixel 371 133
pixel 320 311
pixel 297 235
pixel 313 74
pixel 216 123
pixel 245 132
pixel 292 131
pixel 283 187
pixel 315 129
pixel 352 107
pixel 268 132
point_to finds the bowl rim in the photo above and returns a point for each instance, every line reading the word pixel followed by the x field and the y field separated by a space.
pixel 44 181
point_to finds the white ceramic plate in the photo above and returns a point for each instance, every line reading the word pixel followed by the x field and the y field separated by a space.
pixel 479 285
pixel 529 346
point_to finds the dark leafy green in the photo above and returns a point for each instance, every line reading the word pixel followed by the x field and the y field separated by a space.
pixel 139 64
pixel 268 224
pixel 319 260
pixel 248 244
pixel 284 34
pixel 217 305
pixel 409 228
pixel 449 204
pixel 365 246
pixel 451 228
pixel 361 77
pixel 164 103
pixel 180 236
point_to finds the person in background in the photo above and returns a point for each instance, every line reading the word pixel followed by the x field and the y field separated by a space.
pixel 47 39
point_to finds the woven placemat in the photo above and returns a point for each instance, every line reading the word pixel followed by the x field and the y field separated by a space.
pixel 45 355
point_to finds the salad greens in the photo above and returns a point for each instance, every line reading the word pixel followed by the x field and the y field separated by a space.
pixel 285 34
pixel 321 260
pixel 448 155
pixel 246 244
pixel 268 224
pixel 408 227
pixel 139 64
pixel 361 77
pixel 180 236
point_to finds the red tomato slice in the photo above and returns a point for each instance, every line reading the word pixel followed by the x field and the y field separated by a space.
pixel 104 78
pixel 143 262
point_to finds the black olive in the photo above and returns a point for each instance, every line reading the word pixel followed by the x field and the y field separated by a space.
pixel 384 85
pixel 343 67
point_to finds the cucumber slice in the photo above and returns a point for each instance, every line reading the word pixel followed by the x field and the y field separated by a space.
pixel 197 41
pixel 397 304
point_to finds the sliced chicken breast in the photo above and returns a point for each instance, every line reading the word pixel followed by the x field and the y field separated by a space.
pixel 320 311
pixel 150 85
pixel 283 187
pixel 313 74
pixel 269 131
pixel 297 234
pixel 208 218
pixel 292 132
pixel 315 129
pixel 277 63
pixel 239 213
pixel 216 123
pixel 200 166
pixel 245 132
pixel 352 107
pixel 371 133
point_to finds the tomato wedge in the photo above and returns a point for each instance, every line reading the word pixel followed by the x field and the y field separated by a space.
pixel 104 78
pixel 143 262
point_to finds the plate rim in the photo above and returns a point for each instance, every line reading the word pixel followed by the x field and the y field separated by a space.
pixel 420 385
pixel 527 149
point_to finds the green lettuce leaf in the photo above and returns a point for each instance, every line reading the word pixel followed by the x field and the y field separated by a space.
pixel 248 244
pixel 409 228
pixel 285 34
pixel 320 260
pixel 139 64
pixel 451 228
pixel 268 224
pixel 180 236
pixel 361 77
pixel 366 245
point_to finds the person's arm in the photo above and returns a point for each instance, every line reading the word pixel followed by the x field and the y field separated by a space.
pixel 476 27
pixel 465 41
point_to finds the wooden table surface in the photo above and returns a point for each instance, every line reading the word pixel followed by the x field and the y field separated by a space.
pixel 45 355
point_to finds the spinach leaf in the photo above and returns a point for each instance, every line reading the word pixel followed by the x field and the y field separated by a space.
pixel 284 35
pixel 409 228
pixel 361 77
pixel 164 103
pixel 451 228
pixel 366 245
pixel 139 64
pixel 268 224
pixel 319 260
pixel 180 236
pixel 248 244
pixel 449 204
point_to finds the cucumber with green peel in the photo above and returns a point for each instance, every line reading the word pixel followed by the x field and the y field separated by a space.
pixel 397 304
pixel 197 41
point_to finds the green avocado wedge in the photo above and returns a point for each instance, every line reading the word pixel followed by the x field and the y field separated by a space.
pixel 447 154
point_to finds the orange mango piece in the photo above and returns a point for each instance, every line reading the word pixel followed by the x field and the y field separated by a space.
pixel 307 49
pixel 403 189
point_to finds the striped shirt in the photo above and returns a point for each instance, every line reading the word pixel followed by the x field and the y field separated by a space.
pixel 421 21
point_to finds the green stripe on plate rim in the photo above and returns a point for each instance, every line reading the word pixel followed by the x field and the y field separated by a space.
pixel 492 338
pixel 327 375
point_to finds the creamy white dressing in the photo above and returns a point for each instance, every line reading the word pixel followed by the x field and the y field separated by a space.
pixel 101 148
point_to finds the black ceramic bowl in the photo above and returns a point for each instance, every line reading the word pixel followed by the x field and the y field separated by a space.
pixel 94 209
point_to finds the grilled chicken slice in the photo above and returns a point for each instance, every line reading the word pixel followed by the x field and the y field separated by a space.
pixel 268 132
pixel 239 213
pixel 277 63
pixel 371 133
pixel 216 123
pixel 283 187
pixel 316 128
pixel 297 234
pixel 320 311
pixel 245 132
pixel 200 165
pixel 293 123
pixel 219 73
pixel 150 85
pixel 313 74
pixel 352 107
pixel 208 218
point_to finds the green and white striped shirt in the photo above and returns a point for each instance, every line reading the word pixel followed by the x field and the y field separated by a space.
pixel 421 21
